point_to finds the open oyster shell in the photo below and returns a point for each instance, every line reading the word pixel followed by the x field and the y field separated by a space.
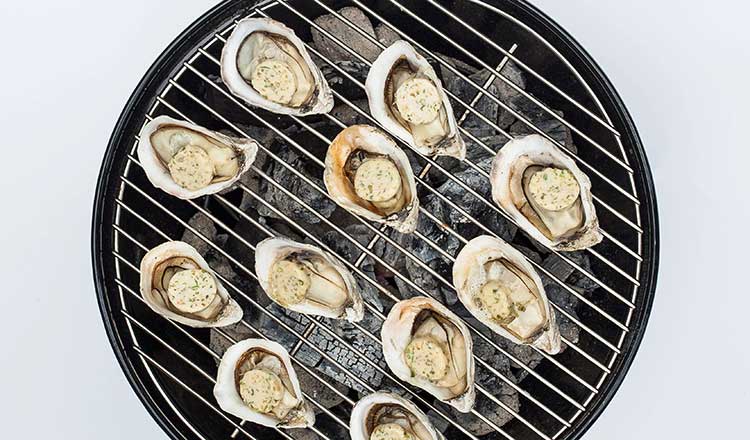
pixel 266 64
pixel 306 279
pixel 256 382
pixel 428 346
pixel 381 413
pixel 502 290
pixel 407 98
pixel 189 161
pixel 367 174
pixel 544 191
pixel 169 273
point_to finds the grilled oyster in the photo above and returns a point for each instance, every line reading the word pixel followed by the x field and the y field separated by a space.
pixel 177 283
pixel 367 174
pixel 502 290
pixel 266 64
pixel 544 191
pixel 408 100
pixel 256 382
pixel 387 416
pixel 189 161
pixel 305 279
pixel 428 346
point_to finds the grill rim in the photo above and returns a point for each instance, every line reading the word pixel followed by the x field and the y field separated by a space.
pixel 184 43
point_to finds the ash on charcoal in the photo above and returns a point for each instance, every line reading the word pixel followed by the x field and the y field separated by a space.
pixel 578 279
pixel 345 249
pixel 205 226
pixel 318 391
pixel 467 93
pixel 315 199
pixel 344 33
pixel 386 35
pixel 488 408
pixel 341 82
pixel 349 116
pixel 548 124
pixel 506 93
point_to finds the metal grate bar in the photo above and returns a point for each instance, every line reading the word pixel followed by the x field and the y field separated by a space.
pixel 435 164
pixel 546 424
pixel 468 162
pixel 322 327
pixel 312 184
pixel 370 308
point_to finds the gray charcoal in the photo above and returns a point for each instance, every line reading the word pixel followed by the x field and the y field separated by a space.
pixel 386 35
pixel 345 249
pixel 238 332
pixel 557 267
pixel 314 198
pixel 488 408
pixel 303 433
pixel 349 116
pixel 342 82
pixel 507 94
pixel 343 32
pixel 276 332
pixel 546 123
pixel 320 392
pixel 467 93
pixel 205 226
pixel 577 278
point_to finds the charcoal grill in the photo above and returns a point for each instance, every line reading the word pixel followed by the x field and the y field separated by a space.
pixel 522 393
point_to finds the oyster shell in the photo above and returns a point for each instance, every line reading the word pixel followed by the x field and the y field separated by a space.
pixel 308 280
pixel 385 416
pixel 543 190
pixel 177 283
pixel 367 174
pixel 502 290
pixel 256 382
pixel 189 161
pixel 428 346
pixel 266 64
pixel 408 100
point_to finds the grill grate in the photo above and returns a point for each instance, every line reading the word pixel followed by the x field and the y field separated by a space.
pixel 177 365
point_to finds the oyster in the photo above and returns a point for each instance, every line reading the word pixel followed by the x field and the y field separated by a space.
pixel 177 283
pixel 266 64
pixel 502 290
pixel 305 279
pixel 367 174
pixel 544 191
pixel 428 346
pixel 408 100
pixel 387 416
pixel 256 382
pixel 189 161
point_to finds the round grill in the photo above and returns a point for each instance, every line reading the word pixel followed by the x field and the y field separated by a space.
pixel 509 71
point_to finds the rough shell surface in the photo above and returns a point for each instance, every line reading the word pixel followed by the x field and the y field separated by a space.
pixel 468 277
pixel 159 175
pixel 320 103
pixel 509 164
pixel 270 250
pixel 232 311
pixel 229 399
pixel 374 141
pixel 359 417
pixel 396 335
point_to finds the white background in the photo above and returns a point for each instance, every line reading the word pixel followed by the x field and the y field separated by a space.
pixel 68 67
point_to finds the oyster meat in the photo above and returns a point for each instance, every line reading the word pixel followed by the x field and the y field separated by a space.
pixel 428 346
pixel 502 290
pixel 367 174
pixel 189 161
pixel 177 283
pixel 266 64
pixel 256 382
pixel 388 416
pixel 544 191
pixel 308 280
pixel 408 100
